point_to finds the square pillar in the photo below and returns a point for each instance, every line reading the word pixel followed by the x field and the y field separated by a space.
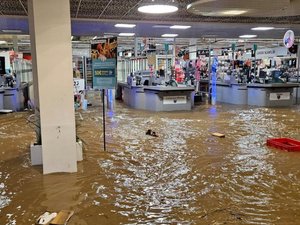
pixel 50 34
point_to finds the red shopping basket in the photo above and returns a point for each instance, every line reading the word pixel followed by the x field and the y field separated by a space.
pixel 286 144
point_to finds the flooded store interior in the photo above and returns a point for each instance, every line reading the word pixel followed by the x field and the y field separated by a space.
pixel 183 176
pixel 117 112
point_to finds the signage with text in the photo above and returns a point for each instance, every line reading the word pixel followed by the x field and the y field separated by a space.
pixel 104 63
pixel 271 52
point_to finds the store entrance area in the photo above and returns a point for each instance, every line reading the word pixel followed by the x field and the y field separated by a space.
pixel 183 176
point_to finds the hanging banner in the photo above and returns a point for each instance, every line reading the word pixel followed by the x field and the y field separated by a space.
pixel 104 63
pixel 214 69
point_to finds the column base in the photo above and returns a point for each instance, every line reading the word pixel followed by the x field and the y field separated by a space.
pixel 36 153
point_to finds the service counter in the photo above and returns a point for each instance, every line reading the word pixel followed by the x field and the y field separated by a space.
pixel 271 95
pixel 13 98
pixel 157 98
pixel 1 98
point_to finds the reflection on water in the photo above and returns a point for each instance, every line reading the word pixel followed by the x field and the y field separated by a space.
pixel 183 176
pixel 4 198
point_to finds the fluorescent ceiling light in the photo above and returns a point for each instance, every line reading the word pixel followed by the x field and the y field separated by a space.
pixel 262 28
pixel 11 31
pixel 157 9
pixel 126 34
pixel 180 27
pixel 189 6
pixel 22 43
pixel 210 35
pixel 248 36
pixel 161 26
pixel 280 28
pixel 233 12
pixel 123 25
pixel 169 35
pixel 3 42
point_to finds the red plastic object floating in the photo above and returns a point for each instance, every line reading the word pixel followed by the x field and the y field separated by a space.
pixel 286 144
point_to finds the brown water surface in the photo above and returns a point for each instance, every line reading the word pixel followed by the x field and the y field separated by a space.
pixel 184 176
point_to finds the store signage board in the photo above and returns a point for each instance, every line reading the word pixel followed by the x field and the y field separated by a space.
pixel 271 52
pixel 104 63
pixel 217 52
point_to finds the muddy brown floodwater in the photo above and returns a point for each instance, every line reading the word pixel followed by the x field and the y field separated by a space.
pixel 184 176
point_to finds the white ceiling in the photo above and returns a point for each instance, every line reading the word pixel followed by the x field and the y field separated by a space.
pixel 95 18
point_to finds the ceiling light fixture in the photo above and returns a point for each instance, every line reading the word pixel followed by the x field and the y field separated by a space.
pixel 11 31
pixel 262 28
pixel 157 7
pixel 169 35
pixel 123 25
pixel 189 6
pixel 3 42
pixel 126 34
pixel 248 36
pixel 94 38
pixel 233 12
pixel 281 28
pixel 180 27
pixel 161 26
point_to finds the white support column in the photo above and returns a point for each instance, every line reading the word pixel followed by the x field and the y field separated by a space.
pixel 15 43
pixel 50 34
pixel 193 49
pixel 136 45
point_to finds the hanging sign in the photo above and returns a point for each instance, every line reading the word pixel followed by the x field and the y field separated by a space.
pixel 166 47
pixel 271 52
pixel 255 47
pixel 104 63
pixel 289 39
pixel 233 46
pixel 217 52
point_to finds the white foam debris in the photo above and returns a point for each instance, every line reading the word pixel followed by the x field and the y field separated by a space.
pixel 96 203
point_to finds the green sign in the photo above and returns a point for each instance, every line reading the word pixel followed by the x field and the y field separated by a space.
pixel 166 47
pixel 233 46
pixel 254 47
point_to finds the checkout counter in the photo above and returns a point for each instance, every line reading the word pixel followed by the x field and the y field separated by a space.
pixel 12 95
pixel 146 92
pixel 271 95
pixel 157 98
pixel 256 94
